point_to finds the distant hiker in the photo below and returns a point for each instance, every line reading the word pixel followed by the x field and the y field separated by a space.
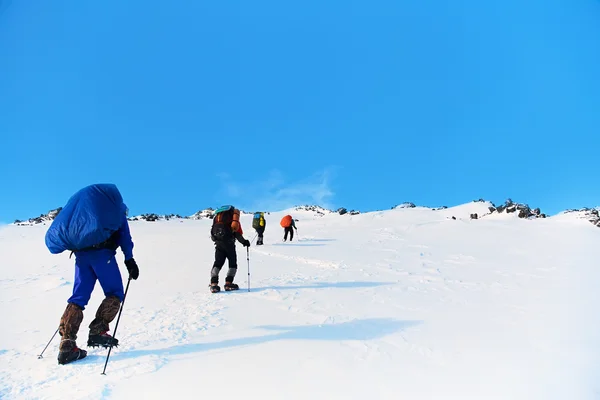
pixel 225 229
pixel 288 225
pixel 259 224
pixel 92 226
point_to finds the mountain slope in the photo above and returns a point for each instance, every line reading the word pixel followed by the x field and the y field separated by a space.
pixel 403 303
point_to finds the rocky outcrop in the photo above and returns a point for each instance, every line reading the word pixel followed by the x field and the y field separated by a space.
pixel 152 217
pixel 404 205
pixel 149 217
pixel 43 218
pixel 343 211
pixel 523 210
pixel 207 213
pixel 591 214
pixel 320 211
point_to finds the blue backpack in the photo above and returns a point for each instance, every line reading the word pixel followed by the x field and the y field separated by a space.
pixel 90 217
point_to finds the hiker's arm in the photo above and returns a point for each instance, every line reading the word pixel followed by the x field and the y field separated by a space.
pixel 125 241
pixel 241 239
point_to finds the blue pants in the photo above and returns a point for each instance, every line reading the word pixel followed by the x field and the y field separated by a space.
pixel 95 265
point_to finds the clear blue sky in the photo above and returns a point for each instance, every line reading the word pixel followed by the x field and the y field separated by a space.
pixel 191 104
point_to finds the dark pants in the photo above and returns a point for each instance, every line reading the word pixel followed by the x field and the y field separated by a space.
pixel 289 230
pixel 260 232
pixel 224 251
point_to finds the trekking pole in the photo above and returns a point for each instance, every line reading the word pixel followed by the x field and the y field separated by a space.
pixel 248 258
pixel 117 324
pixel 255 236
pixel 42 353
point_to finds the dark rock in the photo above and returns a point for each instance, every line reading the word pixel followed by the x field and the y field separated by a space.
pixel 522 214
pixel 342 211
pixel 149 217
pixel 474 216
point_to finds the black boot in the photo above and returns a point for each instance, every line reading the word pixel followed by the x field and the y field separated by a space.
pixel 231 286
pixel 102 340
pixel 99 337
pixel 214 288
pixel 70 352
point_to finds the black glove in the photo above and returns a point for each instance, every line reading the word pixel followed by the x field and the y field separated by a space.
pixel 133 269
pixel 246 243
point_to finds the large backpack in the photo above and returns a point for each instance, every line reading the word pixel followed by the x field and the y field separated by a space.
pixel 225 222
pixel 89 218
pixel 258 221
pixel 286 221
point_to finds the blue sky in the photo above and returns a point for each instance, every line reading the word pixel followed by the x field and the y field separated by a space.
pixel 186 105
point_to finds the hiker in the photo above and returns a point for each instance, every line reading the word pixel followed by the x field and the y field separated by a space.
pixel 288 225
pixel 92 226
pixel 225 230
pixel 259 224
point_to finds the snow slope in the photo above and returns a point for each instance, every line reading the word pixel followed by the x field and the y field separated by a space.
pixel 405 303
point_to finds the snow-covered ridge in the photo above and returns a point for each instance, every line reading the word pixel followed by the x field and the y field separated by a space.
pixel 417 302
pixel 590 214
pixel 477 209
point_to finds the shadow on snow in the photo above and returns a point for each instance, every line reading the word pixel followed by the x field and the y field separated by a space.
pixel 363 329
pixel 316 240
pixel 299 244
pixel 324 285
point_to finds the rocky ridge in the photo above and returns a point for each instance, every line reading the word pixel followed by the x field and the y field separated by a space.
pixel 590 214
pixel 521 210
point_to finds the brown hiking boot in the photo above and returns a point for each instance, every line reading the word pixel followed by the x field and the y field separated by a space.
pixel 68 328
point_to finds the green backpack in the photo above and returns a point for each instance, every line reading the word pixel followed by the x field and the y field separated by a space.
pixel 258 221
